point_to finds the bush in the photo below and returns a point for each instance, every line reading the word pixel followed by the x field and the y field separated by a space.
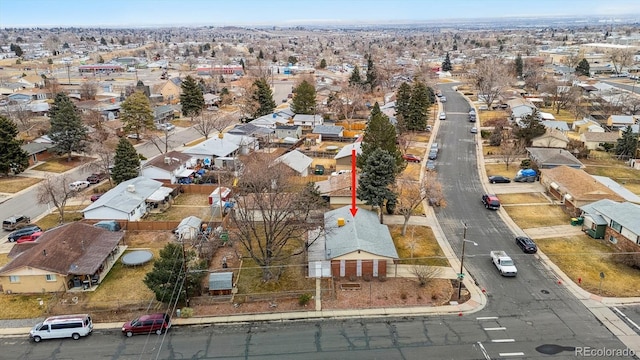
pixel 304 299
pixel 186 312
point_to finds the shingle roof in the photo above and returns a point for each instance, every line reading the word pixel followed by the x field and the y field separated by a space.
pixel 553 157
pixel 362 232
pixel 346 150
pixel 327 130
pixel 74 248
pixel 579 184
pixel 625 214
pixel 176 159
pixel 610 137
pixel 296 160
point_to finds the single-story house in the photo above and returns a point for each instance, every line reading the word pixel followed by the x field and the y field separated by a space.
pixel 74 255
pixel 228 146
pixel 547 158
pixel 586 125
pixel 220 283
pixel 616 187
pixel 251 130
pixel 611 220
pixel 343 157
pixel 297 161
pixel 126 201
pixel 556 125
pixel 592 140
pixel 337 190
pixel 574 188
pixel 328 131
pixel 288 131
pixel 352 246
pixel 167 167
pixel 621 121
pixel 37 151
pixel 269 121
pixel 551 139
pixel 162 114
pixel 308 120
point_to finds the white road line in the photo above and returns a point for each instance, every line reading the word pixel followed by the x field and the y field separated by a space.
pixel 487 318
pixel 626 318
pixel 503 340
pixel 512 354
pixel 495 328
pixel 484 352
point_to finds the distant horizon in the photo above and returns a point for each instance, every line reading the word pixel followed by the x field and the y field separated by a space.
pixel 291 13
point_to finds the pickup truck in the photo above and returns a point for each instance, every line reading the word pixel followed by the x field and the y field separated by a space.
pixel 503 262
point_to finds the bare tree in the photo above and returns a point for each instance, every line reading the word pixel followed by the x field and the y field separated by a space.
pixel 509 151
pixel 55 190
pixel 208 121
pixel 22 116
pixel 433 189
pixel 96 120
pixel 105 152
pixel 562 94
pixel 245 102
pixel 621 58
pixel 347 102
pixel 88 90
pixel 273 215
pixel 491 78
pixel 411 194
pixel 425 274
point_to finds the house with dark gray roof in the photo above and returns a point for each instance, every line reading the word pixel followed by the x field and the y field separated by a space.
pixel 68 256
pixel 352 246
pixel 328 131
pixel 611 220
pixel 168 167
pixel 547 158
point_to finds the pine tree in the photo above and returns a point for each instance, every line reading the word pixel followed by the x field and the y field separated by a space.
pixel 126 164
pixel 67 130
pixel 323 64
pixel 355 78
pixel 403 106
pixel 583 68
pixel 446 64
pixel 263 96
pixel 304 101
pixel 627 144
pixel 418 107
pixel 12 157
pixel 136 113
pixel 380 134
pixel 260 54
pixel 191 99
pixel 378 173
pixel 372 76
pixel 518 66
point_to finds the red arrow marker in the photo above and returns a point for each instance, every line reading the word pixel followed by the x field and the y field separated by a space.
pixel 353 209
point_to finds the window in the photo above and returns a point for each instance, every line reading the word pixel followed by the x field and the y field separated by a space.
pixel 615 226
pixel 14 279
pixel 50 277
pixel 613 240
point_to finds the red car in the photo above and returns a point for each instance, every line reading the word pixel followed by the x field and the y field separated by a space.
pixel 411 158
pixel 95 197
pixel 28 238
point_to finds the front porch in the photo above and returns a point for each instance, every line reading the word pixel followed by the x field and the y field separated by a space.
pixel 90 282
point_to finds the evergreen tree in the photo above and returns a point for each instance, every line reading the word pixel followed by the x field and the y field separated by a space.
pixel 18 50
pixel 168 274
pixel 260 54
pixel 380 134
pixel 403 106
pixel 378 174
pixel 355 78
pixel 126 163
pixel 242 64
pixel 323 64
pixel 530 128
pixel 136 113
pixel 446 64
pixel 518 66
pixel 12 157
pixel 263 96
pixel 103 41
pixel 304 101
pixel 100 59
pixel 67 130
pixel 583 68
pixel 418 107
pixel 371 76
pixel 627 144
pixel 191 99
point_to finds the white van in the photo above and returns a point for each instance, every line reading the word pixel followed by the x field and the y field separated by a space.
pixel 63 326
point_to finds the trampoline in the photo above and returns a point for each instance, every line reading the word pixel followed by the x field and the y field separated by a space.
pixel 137 257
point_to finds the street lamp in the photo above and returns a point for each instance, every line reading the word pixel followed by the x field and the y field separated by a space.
pixel 461 274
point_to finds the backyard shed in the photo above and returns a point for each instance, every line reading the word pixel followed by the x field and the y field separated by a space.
pixel 220 283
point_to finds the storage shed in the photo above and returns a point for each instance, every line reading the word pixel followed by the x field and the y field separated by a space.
pixel 220 283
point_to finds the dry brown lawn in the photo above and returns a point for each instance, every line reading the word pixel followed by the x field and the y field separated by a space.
pixel 564 115
pixel 412 171
pixel 523 198
pixel 634 188
pixel 537 216
pixel 4 259
pixel 426 250
pixel 53 219
pixel 60 164
pixel 501 169
pixel 490 150
pixel 328 163
pixel 584 257
pixel 490 117
pixel 23 306
pixel 292 278
pixel 14 184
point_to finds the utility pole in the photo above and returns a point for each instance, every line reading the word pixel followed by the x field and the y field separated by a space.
pixel 68 64
pixel 461 275
pixel 186 283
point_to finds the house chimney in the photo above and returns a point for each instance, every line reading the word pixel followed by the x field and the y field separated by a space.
pixel 131 188
pixel 340 222
pixel 44 252
pixel 167 160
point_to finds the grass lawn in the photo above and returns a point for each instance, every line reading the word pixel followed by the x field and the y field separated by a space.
pixel 490 150
pixel 524 198
pixel 52 220
pixel 634 188
pixel 4 259
pixel 60 164
pixel 501 169
pixel 564 115
pixel 292 278
pixel 412 171
pixel 537 216
pixel 584 257
pixel 14 184
pixel 426 250
pixel 328 163
pixel 23 306
pixel 614 170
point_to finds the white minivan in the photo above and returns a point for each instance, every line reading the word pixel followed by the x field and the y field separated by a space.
pixel 63 326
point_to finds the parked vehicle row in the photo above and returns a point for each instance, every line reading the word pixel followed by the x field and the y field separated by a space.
pixel 25 231
pixel 15 222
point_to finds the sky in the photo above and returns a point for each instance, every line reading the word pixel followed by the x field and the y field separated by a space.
pixel 140 13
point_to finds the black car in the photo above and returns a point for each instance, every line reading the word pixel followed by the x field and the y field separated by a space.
pixel 526 244
pixel 496 179
pixel 23 232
